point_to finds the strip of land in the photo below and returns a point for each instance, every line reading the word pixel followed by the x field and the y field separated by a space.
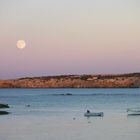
pixel 131 80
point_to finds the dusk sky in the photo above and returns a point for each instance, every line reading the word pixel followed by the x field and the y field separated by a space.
pixel 69 37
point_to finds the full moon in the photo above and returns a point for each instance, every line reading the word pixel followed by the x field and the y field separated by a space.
pixel 21 44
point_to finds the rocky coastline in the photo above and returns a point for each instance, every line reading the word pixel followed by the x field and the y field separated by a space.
pixel 131 80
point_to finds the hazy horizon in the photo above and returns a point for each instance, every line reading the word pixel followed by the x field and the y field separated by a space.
pixel 69 37
pixel 33 76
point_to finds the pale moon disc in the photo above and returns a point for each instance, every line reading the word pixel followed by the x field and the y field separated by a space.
pixel 21 44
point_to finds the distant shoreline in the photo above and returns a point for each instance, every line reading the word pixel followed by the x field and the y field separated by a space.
pixel 131 80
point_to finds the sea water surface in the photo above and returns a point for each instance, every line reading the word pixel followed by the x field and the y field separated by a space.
pixel 58 114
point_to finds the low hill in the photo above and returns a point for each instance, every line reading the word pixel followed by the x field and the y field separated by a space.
pixel 75 81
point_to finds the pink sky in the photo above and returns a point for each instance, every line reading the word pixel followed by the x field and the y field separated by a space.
pixel 69 37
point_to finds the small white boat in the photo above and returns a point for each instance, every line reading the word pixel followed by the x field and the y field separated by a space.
pixel 94 114
pixel 133 111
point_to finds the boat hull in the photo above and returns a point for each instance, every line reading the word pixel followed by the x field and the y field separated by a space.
pixel 133 112
pixel 92 114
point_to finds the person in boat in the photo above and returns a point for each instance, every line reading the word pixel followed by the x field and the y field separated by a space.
pixel 88 111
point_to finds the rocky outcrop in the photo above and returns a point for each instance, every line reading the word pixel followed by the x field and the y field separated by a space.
pixel 4 112
pixel 4 106
pixel 75 81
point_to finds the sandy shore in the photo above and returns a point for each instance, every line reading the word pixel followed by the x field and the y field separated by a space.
pixel 43 128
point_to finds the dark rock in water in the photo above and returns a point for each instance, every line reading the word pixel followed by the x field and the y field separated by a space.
pixel 28 105
pixel 4 106
pixel 4 112
pixel 64 94
pixel 68 94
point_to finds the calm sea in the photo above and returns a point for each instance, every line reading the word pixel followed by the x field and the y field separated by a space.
pixel 71 102
pixel 58 114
